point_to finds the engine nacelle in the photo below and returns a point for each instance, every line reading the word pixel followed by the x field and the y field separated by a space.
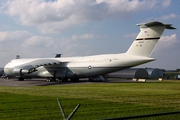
pixel 20 71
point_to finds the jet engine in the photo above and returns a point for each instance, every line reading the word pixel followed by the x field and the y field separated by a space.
pixel 20 71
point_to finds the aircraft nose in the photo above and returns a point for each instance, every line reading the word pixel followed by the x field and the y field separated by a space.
pixel 7 70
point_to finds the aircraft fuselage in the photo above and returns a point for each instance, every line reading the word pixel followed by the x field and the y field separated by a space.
pixel 80 67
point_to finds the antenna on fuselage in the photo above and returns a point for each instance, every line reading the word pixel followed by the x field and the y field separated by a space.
pixel 17 56
pixel 58 55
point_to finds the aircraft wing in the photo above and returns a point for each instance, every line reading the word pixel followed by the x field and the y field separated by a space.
pixel 31 66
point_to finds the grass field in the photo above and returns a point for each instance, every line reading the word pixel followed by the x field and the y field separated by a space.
pixel 98 100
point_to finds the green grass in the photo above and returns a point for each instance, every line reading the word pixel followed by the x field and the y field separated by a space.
pixel 98 100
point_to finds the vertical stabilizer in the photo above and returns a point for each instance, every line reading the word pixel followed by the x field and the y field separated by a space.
pixel 146 40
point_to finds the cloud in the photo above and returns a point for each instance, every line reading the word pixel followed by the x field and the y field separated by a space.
pixel 39 41
pixel 24 39
pixel 166 3
pixel 165 17
pixel 132 35
pixel 83 37
pixel 170 16
pixel 75 38
pixel 59 15
pixel 29 45
pixel 24 42
pixel 167 42
pixel 75 41
pixel 14 36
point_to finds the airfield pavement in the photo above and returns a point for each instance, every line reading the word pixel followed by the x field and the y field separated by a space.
pixel 43 82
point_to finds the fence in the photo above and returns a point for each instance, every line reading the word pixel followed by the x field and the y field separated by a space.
pixel 47 108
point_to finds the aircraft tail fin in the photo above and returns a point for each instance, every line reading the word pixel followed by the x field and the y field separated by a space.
pixel 146 40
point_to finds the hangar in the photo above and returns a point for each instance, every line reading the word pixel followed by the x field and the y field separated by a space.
pixel 155 73
pixel 138 73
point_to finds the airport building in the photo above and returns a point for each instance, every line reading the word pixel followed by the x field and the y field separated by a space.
pixel 138 73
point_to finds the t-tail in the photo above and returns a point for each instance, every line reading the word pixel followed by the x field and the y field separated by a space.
pixel 148 37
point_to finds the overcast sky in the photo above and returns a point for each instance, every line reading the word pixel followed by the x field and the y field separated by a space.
pixel 42 28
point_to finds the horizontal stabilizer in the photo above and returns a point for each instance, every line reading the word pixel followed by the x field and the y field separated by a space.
pixel 156 23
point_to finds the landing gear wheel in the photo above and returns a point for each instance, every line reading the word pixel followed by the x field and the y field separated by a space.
pixel 49 80
pixel 21 79
pixel 74 79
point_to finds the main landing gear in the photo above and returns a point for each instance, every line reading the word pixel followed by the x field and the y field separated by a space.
pixel 97 79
